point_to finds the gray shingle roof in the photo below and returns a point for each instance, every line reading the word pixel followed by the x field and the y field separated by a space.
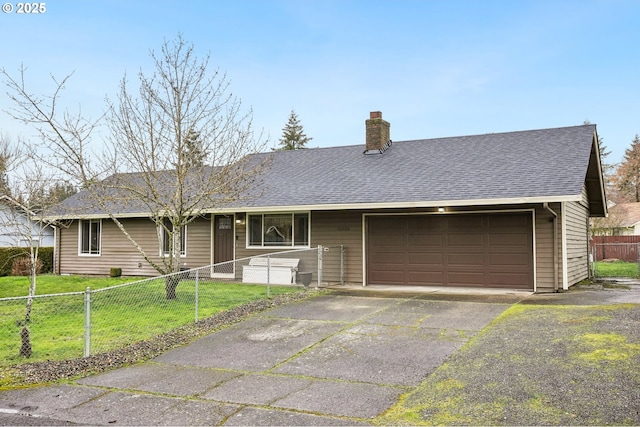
pixel 535 164
pixel 526 164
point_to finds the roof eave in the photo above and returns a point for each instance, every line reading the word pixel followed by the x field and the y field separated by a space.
pixel 595 181
pixel 406 205
pixel 354 206
pixel 96 216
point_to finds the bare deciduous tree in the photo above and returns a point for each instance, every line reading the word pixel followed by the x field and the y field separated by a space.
pixel 10 156
pixel 152 160
pixel 23 227
pixel 627 178
pixel 611 225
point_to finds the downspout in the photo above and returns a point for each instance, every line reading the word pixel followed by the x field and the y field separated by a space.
pixel 555 246
pixel 56 249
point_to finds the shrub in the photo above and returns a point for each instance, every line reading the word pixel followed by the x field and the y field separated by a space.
pixel 115 272
pixel 22 266
pixel 8 255
pixel 45 255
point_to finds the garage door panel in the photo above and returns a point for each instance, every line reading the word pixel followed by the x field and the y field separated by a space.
pixel 512 260
pixel 511 239
pixel 465 278
pixel 465 240
pixel 424 277
pixel 388 258
pixel 425 258
pixel 435 225
pixel 451 250
pixel 465 260
pixel 427 240
pixel 512 280
pixel 388 223
pixel 390 276
pixel 384 240
pixel 456 223
pixel 504 222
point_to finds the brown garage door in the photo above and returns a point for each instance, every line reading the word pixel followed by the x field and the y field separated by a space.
pixel 490 250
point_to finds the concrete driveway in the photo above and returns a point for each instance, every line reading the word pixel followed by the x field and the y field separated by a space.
pixel 328 360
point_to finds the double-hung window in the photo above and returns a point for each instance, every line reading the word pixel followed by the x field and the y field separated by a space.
pixel 278 230
pixel 90 231
pixel 167 239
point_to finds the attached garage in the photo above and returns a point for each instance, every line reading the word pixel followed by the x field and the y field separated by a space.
pixel 480 249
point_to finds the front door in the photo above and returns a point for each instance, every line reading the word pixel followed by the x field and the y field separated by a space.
pixel 223 239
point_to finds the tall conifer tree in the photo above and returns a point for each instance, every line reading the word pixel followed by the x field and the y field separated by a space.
pixel 293 136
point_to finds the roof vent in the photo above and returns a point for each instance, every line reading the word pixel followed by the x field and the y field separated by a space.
pixel 377 134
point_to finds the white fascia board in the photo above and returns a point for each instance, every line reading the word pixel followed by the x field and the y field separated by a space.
pixel 404 205
pixel 95 216
pixel 351 206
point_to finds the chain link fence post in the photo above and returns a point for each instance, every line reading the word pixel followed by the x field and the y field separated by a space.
pixel 320 250
pixel 196 292
pixel 342 265
pixel 268 276
pixel 638 258
pixel 87 322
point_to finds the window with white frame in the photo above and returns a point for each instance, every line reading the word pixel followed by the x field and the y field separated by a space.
pixel 89 238
pixel 278 230
pixel 167 239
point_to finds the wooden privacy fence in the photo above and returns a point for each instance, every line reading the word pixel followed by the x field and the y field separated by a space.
pixel 624 248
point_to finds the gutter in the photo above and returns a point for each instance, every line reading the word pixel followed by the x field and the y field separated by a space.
pixel 420 204
pixel 555 246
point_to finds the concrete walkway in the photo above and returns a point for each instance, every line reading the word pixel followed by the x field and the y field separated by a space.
pixel 329 360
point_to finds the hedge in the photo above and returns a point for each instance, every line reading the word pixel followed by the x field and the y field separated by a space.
pixel 7 255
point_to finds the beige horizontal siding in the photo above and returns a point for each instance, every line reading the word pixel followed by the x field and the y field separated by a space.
pixel 335 229
pixel 118 251
pixel 577 240
pixel 545 276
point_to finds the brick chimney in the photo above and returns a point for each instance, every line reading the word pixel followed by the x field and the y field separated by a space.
pixel 378 135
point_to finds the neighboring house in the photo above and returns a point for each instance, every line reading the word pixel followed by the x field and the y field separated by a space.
pixel 18 229
pixel 502 210
pixel 623 220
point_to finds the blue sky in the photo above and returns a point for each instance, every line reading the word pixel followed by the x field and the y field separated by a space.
pixel 435 68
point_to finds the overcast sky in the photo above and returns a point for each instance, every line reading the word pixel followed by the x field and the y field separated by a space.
pixel 435 68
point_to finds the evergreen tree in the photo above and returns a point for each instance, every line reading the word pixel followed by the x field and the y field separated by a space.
pixel 293 136
pixel 192 153
pixel 194 149
pixel 59 191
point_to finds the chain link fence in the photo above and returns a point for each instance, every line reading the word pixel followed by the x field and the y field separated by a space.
pixel 77 324
pixel 615 260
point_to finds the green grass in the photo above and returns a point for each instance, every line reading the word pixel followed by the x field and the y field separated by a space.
pixel 616 269
pixel 119 316
pixel 17 286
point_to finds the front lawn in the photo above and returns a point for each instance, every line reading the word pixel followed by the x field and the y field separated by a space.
pixel 17 286
pixel 119 316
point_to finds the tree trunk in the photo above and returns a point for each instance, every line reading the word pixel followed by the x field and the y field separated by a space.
pixel 170 285
pixel 171 282
pixel 25 349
